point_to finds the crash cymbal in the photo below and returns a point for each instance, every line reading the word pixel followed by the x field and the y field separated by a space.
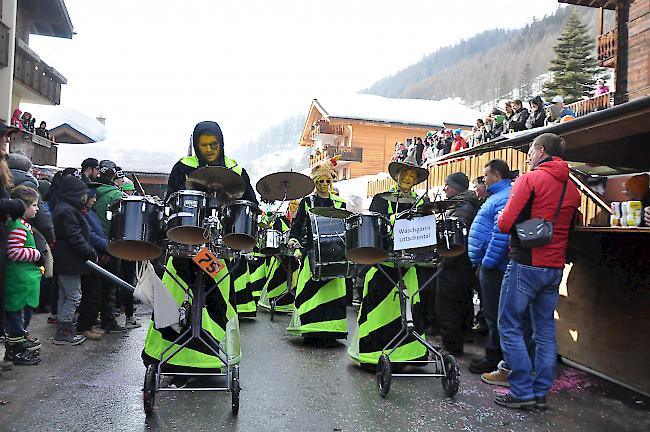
pixel 391 197
pixel 435 207
pixel 227 184
pixel 292 184
pixel 331 212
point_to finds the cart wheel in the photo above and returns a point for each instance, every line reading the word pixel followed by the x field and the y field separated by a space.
pixel 451 380
pixel 234 388
pixel 272 308
pixel 149 390
pixel 383 375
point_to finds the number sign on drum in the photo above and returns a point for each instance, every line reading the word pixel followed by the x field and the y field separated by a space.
pixel 415 233
pixel 208 262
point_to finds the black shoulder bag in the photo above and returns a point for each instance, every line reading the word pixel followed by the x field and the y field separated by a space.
pixel 538 232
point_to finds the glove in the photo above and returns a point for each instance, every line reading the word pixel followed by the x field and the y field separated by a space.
pixel 297 254
pixel 293 243
pixel 15 208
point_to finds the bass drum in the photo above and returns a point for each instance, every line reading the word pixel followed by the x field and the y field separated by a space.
pixel 135 231
pixel 327 257
pixel 368 238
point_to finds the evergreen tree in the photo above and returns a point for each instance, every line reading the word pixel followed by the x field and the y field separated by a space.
pixel 525 83
pixel 504 89
pixel 574 67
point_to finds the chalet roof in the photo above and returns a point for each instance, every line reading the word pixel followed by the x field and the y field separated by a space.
pixel 78 127
pixel 607 4
pixel 47 17
pixel 410 112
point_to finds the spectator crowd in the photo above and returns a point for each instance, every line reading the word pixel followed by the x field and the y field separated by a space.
pixel 50 225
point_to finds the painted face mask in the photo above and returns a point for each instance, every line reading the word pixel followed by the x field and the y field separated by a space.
pixel 323 184
pixel 406 180
pixel 209 148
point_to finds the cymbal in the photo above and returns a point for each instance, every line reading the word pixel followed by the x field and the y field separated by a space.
pixel 391 197
pixel 225 182
pixel 275 186
pixel 331 212
pixel 435 207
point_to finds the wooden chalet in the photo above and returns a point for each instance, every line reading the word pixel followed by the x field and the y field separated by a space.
pixel 363 129
pixel 602 315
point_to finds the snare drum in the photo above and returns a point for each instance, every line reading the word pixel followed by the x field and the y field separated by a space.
pixel 270 242
pixel 239 225
pixel 187 212
pixel 180 250
pixel 367 238
pixel 135 229
pixel 452 237
pixel 327 256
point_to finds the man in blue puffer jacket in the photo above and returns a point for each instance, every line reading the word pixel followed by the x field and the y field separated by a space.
pixel 488 252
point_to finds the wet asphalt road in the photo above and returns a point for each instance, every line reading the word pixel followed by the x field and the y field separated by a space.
pixel 286 386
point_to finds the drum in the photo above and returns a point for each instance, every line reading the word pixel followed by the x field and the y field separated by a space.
pixel 452 237
pixel 180 250
pixel 187 212
pixel 135 229
pixel 270 242
pixel 327 256
pixel 367 238
pixel 239 225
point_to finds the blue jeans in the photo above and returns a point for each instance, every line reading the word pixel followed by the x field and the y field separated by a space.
pixel 69 297
pixel 18 321
pixel 527 289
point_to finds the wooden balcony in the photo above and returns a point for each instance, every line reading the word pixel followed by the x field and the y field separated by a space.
pixel 348 154
pixel 607 49
pixel 39 150
pixel 596 103
pixel 4 45
pixel 323 127
pixel 36 75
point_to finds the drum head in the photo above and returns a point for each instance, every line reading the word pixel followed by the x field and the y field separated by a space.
pixel 131 250
pixel 366 255
pixel 188 235
pixel 239 241
pixel 454 250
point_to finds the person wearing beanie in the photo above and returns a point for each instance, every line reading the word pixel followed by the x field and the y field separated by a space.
pixel 637 188
pixel 497 127
pixel 455 281
pixel 459 142
pixel 319 312
pixel 220 304
pixel 379 311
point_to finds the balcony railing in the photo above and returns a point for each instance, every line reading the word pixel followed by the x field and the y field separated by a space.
pixel 324 127
pixel 348 154
pixel 596 103
pixel 607 49
pixel 41 151
pixel 35 74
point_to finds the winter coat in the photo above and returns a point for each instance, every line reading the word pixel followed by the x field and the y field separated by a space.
pixel 466 205
pixel 487 246
pixel 98 239
pixel 72 248
pixel 43 220
pixel 536 119
pixel 106 196
pixel 537 195
pixel 458 144
pixel 518 120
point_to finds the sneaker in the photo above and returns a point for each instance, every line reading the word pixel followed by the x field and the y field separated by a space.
pixel 113 327
pixel 32 344
pixel 498 377
pixel 540 403
pixel 52 319
pixel 91 335
pixel 18 355
pixel 6 365
pixel 510 401
pixel 482 365
pixel 69 340
pixel 131 323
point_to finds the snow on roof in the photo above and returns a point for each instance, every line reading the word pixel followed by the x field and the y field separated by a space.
pixel 420 112
pixel 56 116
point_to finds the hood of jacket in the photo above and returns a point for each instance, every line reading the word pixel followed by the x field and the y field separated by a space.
pixel 556 167
pixel 208 128
pixel 537 100
pixel 104 189
pixel 71 189
pixel 22 178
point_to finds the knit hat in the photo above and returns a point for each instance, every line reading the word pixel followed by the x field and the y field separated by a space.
pixel 91 192
pixel 128 186
pixel 19 162
pixel 498 119
pixel 458 131
pixel 458 181
pixel 429 134
pixel 325 169
pixel 107 165
pixel 639 183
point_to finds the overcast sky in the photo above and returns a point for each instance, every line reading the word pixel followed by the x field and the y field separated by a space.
pixel 154 68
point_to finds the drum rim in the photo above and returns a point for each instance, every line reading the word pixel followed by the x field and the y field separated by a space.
pixel 369 213
pixel 187 192
pixel 148 243
pixel 244 202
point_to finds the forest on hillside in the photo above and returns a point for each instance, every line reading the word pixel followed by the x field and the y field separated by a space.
pixel 487 66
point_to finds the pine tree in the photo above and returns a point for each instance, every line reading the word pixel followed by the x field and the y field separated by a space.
pixel 574 67
pixel 525 83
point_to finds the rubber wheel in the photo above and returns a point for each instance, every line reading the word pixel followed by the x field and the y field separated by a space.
pixel 234 389
pixel 451 380
pixel 383 375
pixel 272 308
pixel 149 389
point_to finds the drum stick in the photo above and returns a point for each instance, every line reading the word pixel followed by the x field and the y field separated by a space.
pixel 110 276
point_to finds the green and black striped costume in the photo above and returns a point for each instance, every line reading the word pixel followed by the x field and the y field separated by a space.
pixel 240 275
pixel 319 310
pixel 275 283
pixel 379 318
pixel 257 270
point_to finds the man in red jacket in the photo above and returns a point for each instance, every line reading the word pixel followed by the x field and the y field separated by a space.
pixel 533 276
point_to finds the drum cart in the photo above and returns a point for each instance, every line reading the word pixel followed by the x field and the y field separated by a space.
pixel 193 331
pixel 445 365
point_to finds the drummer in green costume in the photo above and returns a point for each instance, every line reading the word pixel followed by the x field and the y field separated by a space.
pixel 319 312
pixel 379 318
pixel 220 312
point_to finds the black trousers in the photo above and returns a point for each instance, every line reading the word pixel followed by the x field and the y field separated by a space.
pixel 94 300
pixel 453 304
pixel 125 296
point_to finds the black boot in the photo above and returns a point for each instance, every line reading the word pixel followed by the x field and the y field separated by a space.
pixel 17 353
